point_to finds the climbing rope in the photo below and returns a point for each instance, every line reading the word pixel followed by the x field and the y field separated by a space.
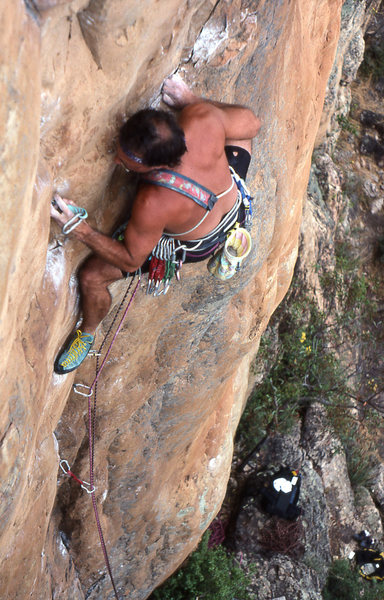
pixel 92 405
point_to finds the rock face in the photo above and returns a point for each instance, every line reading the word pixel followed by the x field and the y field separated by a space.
pixel 173 388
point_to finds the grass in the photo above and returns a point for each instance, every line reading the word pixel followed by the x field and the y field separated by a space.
pixel 347 125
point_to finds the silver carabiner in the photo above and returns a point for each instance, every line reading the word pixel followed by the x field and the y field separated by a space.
pixel 84 486
pixel 77 385
pixel 94 353
pixel 156 289
pixel 67 467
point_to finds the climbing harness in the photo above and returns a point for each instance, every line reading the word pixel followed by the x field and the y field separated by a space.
pixel 91 393
pixel 170 253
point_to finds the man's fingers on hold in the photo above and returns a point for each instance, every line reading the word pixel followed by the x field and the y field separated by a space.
pixel 63 205
pixel 167 99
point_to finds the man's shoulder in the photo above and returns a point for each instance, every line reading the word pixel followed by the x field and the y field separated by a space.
pixel 199 113
pixel 151 199
pixel 150 209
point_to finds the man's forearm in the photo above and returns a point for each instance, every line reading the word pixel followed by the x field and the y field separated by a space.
pixel 110 250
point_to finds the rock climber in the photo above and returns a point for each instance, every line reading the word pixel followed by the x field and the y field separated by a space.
pixel 187 196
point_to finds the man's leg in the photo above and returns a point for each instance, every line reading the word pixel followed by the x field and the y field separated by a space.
pixel 94 278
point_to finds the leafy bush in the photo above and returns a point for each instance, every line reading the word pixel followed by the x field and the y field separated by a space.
pixel 209 574
pixel 346 124
pixel 306 369
pixel 344 583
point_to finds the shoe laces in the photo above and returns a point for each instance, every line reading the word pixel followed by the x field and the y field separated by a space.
pixel 76 348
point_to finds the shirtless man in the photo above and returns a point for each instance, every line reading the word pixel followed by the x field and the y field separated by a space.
pixel 192 144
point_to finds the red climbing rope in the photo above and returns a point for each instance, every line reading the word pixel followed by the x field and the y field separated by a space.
pixel 92 391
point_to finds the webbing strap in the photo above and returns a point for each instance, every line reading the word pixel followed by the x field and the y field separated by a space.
pixel 182 184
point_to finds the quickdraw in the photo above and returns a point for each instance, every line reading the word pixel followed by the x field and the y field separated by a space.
pixel 246 198
pixel 164 266
pixel 79 214
pixel 64 466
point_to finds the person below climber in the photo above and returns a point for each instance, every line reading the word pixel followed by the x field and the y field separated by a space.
pixel 198 142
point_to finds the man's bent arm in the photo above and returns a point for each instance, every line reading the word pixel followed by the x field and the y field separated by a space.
pixel 240 122
pixel 143 231
pixel 112 251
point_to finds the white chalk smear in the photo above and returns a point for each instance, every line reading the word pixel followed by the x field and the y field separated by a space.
pixel 62 548
pixel 56 444
pixel 57 379
pixel 208 42
pixel 55 267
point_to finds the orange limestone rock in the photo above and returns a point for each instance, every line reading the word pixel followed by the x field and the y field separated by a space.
pixel 174 386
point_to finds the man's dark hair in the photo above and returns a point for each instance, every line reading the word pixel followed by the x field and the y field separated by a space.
pixel 155 136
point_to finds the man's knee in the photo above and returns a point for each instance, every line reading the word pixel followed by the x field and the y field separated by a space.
pixel 89 276
pixel 96 273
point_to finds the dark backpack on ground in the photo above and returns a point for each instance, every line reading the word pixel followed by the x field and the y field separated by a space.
pixel 280 494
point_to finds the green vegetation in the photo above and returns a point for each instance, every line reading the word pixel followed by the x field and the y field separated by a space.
pixel 310 356
pixel 303 371
pixel 346 124
pixel 373 64
pixel 360 459
pixel 209 574
pixel 344 583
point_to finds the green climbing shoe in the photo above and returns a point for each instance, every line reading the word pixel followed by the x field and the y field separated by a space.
pixel 72 357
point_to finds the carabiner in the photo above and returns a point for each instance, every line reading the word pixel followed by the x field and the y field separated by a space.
pixel 66 463
pixel 79 215
pixel 94 353
pixel 84 486
pixel 77 385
